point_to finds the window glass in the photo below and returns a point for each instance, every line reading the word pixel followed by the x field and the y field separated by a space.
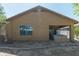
pixel 25 29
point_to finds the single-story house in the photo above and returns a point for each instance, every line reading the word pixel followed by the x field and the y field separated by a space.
pixel 37 24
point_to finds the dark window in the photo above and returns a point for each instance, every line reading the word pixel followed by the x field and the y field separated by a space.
pixel 25 29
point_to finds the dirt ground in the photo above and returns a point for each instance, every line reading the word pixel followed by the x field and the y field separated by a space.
pixel 48 48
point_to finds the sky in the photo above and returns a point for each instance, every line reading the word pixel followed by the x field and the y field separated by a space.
pixel 66 9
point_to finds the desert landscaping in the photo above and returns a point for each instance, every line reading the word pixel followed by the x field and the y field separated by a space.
pixel 48 48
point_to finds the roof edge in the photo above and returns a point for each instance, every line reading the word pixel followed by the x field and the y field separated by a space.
pixel 22 13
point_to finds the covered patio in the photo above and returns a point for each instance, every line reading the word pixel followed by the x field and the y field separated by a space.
pixel 55 32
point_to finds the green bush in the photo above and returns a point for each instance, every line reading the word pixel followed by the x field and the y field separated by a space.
pixel 77 31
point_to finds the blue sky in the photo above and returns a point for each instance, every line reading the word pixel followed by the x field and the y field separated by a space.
pixel 66 9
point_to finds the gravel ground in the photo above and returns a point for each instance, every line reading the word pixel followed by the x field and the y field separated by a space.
pixel 48 48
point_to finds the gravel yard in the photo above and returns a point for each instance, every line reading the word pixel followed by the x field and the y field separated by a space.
pixel 48 48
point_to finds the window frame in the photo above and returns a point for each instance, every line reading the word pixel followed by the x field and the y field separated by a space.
pixel 27 30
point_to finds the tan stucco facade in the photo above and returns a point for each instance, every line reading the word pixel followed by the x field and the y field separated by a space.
pixel 40 21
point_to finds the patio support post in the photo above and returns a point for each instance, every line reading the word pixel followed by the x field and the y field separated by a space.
pixel 71 33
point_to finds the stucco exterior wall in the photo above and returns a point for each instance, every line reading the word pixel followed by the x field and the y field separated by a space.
pixel 40 21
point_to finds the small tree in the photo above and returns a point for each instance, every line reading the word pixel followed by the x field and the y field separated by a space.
pixel 2 17
pixel 76 12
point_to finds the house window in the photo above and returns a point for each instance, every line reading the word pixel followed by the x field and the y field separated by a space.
pixel 25 29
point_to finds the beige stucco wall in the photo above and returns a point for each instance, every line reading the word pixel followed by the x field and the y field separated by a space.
pixel 40 22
